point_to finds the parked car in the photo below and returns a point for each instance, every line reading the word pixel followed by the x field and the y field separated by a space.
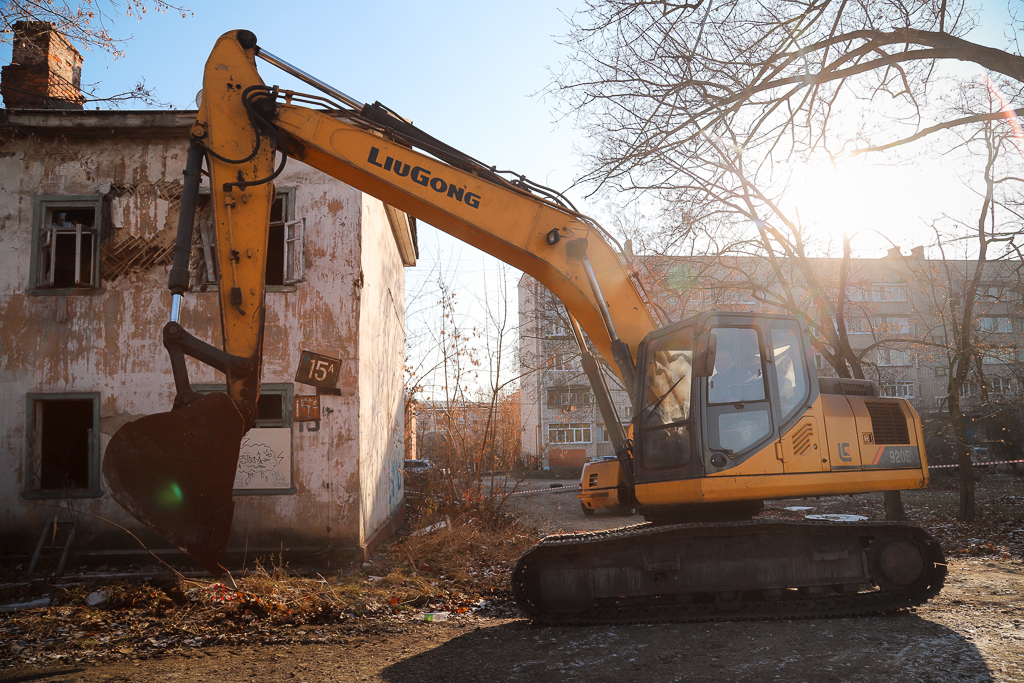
pixel 418 467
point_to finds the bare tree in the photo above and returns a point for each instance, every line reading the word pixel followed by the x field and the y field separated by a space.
pixel 656 83
pixel 85 22
pixel 961 291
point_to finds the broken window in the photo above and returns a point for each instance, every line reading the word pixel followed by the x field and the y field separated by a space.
pixel 285 244
pixel 67 243
pixel 273 407
pixel 64 447
pixel 270 408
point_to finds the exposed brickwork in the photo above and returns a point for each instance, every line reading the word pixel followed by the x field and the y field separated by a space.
pixel 45 70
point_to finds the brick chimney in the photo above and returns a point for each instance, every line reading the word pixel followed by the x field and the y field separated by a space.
pixel 45 70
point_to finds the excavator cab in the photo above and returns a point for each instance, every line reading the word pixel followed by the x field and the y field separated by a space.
pixel 716 389
pixel 713 391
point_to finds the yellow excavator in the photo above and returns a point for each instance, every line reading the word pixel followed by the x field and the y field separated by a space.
pixel 727 412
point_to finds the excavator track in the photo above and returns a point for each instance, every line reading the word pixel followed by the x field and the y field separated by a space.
pixel 728 571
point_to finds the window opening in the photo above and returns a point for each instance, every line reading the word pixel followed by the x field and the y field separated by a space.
pixel 64 430
pixel 63 446
pixel 270 410
pixel 68 248
pixel 285 244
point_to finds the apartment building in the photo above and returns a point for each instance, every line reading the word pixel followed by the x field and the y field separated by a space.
pixel 562 427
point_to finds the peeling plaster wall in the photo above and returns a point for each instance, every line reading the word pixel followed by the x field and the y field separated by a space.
pixel 381 367
pixel 110 344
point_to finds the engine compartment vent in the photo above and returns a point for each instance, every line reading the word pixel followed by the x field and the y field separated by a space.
pixel 888 423
pixel 803 439
pixel 847 387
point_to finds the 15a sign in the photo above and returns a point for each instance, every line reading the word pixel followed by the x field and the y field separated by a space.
pixel 318 371
pixel 306 409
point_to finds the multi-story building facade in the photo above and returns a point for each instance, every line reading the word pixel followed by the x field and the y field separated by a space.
pixel 562 427
pixel 898 312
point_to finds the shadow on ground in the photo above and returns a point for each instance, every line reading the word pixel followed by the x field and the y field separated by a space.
pixel 900 647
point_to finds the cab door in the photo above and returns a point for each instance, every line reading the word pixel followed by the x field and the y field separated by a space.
pixel 801 446
pixel 738 419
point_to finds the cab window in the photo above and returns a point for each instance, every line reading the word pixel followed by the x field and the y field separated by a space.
pixel 739 414
pixel 665 421
pixel 791 373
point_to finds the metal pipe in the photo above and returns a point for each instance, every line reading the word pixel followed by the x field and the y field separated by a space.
pixel 605 404
pixel 602 306
pixel 308 79
pixel 178 278
pixel 175 307
pixel 620 352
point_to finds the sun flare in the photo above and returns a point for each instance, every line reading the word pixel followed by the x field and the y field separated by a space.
pixel 876 205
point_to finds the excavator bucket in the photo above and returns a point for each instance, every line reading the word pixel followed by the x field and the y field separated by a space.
pixel 175 471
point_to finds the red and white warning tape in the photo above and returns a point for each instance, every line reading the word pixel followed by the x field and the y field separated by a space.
pixel 556 489
pixel 994 462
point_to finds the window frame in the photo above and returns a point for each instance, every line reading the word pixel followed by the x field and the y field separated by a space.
pixel 294 259
pixel 905 324
pixel 903 354
pixel 896 385
pixel 602 433
pixel 568 392
pixel 585 428
pixel 991 293
pixel 1004 388
pixel 858 324
pixel 819 363
pixel 41 205
pixel 1003 356
pixel 95 488
pixel 897 288
pixel 996 324
pixel 560 361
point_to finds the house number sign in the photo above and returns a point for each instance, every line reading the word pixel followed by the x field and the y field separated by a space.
pixel 318 371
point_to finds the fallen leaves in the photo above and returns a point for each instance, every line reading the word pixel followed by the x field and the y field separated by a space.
pixel 459 568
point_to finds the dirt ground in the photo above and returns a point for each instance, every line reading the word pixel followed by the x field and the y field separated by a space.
pixel 973 631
